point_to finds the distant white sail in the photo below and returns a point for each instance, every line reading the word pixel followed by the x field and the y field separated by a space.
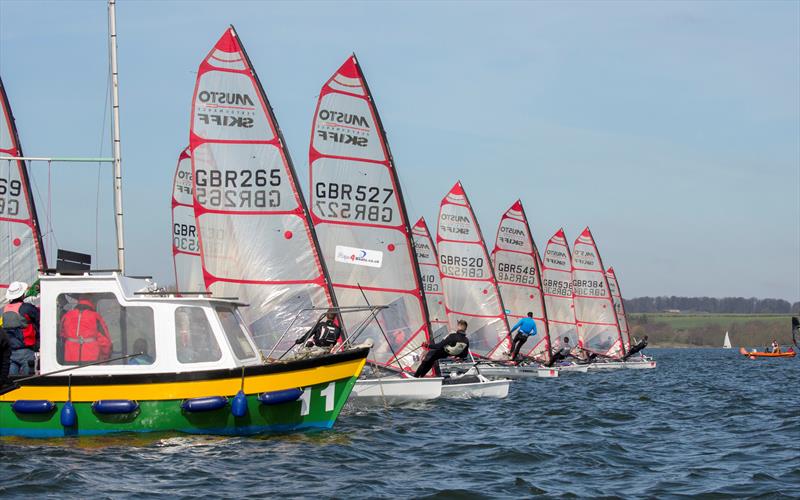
pixel 619 307
pixel 598 329
pixel 727 342
pixel 556 265
pixel 256 241
pixel 431 281
pixel 468 279
pixel 21 250
pixel 516 267
pixel 361 221
pixel 185 245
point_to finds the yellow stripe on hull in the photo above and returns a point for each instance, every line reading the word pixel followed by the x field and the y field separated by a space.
pixel 192 389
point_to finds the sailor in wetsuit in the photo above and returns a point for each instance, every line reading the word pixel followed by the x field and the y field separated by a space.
pixel 325 334
pixel 527 328
pixel 636 348
pixel 455 344
pixel 562 354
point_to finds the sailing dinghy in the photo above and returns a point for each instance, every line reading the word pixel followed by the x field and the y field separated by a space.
pixel 360 218
pixel 641 361
pixel 726 343
pixel 21 249
pixel 468 281
pixel 185 246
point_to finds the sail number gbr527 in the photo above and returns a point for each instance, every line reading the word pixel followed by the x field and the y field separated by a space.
pixel 360 203
pixel 242 189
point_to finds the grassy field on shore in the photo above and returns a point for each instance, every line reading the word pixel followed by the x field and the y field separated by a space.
pixel 708 330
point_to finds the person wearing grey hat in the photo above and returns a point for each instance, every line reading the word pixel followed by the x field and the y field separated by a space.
pixel 21 326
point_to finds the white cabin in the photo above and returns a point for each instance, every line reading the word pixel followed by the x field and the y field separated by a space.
pixel 178 334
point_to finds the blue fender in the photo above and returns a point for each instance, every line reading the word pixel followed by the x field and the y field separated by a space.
pixel 32 406
pixel 280 397
pixel 68 416
pixel 239 404
pixel 115 406
pixel 208 403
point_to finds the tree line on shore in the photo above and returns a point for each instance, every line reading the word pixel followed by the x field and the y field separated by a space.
pixel 711 305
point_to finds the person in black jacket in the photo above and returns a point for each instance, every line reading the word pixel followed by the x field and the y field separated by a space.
pixel 636 348
pixel 5 359
pixel 455 344
pixel 324 334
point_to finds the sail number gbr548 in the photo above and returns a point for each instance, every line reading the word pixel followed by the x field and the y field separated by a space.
pixel 238 189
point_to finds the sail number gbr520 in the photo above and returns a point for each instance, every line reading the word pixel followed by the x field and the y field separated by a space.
pixel 238 189
pixel 461 267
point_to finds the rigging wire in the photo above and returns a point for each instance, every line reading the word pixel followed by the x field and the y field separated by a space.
pixel 100 170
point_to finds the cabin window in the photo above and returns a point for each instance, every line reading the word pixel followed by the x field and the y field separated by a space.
pixel 95 327
pixel 194 338
pixel 235 333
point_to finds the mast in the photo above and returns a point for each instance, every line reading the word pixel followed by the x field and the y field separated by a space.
pixel 115 136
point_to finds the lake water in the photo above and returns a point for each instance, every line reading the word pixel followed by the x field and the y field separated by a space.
pixel 705 422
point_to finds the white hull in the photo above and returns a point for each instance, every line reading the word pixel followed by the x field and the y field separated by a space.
pixel 395 390
pixel 640 364
pixel 573 368
pixel 484 389
pixel 504 371
pixel 607 365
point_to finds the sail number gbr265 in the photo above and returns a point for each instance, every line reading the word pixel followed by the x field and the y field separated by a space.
pixel 334 200
pixel 461 267
pixel 242 189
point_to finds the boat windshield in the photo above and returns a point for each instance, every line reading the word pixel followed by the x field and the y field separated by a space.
pixel 237 337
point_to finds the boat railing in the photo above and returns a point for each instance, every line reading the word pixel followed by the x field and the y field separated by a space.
pixel 323 311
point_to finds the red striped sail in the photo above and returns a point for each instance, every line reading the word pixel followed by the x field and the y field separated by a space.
pixel 21 250
pixel 516 267
pixel 556 266
pixel 256 241
pixel 185 246
pixel 598 328
pixel 431 281
pixel 361 220
pixel 468 279
pixel 619 307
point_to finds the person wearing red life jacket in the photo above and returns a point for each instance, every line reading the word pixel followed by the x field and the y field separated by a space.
pixel 21 326
pixel 84 334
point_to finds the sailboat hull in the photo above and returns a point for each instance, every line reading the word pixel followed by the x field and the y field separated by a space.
pixel 395 390
pixel 484 389
pixel 159 402
pixel 492 370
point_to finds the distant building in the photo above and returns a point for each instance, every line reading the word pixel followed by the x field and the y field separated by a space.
pixel 673 311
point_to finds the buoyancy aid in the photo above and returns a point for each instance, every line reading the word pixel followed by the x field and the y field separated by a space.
pixel 85 335
pixel 14 320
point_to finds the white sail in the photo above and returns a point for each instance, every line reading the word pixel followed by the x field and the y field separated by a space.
pixel 516 267
pixel 256 241
pixel 185 245
pixel 598 329
pixel 727 342
pixel 431 281
pixel 468 280
pixel 619 307
pixel 21 249
pixel 556 265
pixel 361 220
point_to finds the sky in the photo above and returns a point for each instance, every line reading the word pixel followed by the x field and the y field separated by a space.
pixel 671 129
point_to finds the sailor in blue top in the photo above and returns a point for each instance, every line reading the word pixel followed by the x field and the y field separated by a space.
pixel 527 328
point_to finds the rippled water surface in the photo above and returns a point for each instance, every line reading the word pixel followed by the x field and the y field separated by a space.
pixel 705 422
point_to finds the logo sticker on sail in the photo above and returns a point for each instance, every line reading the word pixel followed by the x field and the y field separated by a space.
pixel 359 256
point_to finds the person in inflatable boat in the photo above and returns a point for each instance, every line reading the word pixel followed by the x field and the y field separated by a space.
pixel 456 344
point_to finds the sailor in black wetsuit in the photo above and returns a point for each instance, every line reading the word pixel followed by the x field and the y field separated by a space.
pixel 562 354
pixel 325 334
pixel 455 344
pixel 636 348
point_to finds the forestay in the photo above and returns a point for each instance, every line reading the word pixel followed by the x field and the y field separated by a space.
pixel 619 307
pixel 598 329
pixel 361 220
pixel 431 281
pixel 256 241
pixel 556 265
pixel 21 250
pixel 468 279
pixel 516 267
pixel 185 246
